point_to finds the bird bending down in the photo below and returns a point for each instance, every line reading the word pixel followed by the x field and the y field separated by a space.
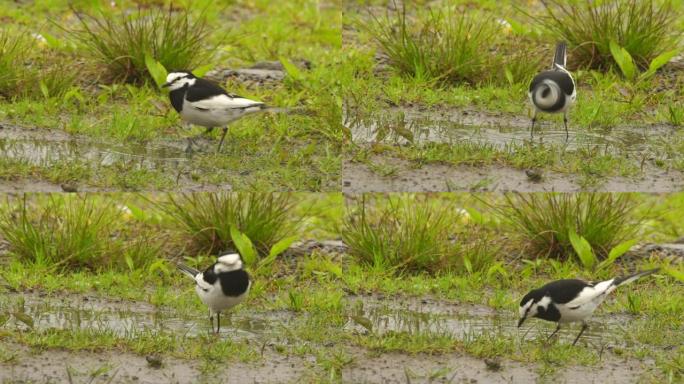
pixel 553 91
pixel 201 102
pixel 221 286
pixel 565 301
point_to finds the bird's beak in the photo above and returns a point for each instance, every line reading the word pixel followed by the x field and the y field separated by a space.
pixel 166 85
pixel 521 321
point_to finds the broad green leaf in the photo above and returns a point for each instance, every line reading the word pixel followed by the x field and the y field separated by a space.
pixel 516 27
pixel 129 262
pixel 679 275
pixel 244 245
pixel 156 70
pixel 475 216
pixel 291 69
pixel 582 249
pixel 73 93
pixel 624 60
pixel 467 264
pixel 282 246
pixel 509 76
pixel 202 70
pixel 276 250
pixel 616 252
pixel 497 268
pixel 52 41
pixel 159 265
pixel 658 62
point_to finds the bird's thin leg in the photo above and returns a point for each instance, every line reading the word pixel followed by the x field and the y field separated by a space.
pixel 211 321
pixel 225 130
pixel 534 120
pixel 218 322
pixel 554 332
pixel 565 122
pixel 584 326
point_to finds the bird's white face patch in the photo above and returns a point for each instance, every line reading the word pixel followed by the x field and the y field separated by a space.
pixel 227 263
pixel 177 80
pixel 525 307
pixel 544 302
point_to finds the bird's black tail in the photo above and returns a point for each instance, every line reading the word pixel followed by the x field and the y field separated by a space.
pixel 192 272
pixel 560 57
pixel 628 279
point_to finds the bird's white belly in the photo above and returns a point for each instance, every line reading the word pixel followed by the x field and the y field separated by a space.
pixel 585 311
pixel 211 117
pixel 217 301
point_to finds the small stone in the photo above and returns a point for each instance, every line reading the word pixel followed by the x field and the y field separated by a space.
pixel 154 361
pixel 534 174
pixel 493 365
pixel 68 187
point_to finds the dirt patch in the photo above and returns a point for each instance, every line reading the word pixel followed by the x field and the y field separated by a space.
pixel 458 368
pixel 118 367
pixel 358 178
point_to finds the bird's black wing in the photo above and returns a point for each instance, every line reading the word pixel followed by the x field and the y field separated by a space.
pixel 204 89
pixel 563 291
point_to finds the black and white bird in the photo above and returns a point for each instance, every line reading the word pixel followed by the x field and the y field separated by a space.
pixel 553 91
pixel 222 286
pixel 570 300
pixel 201 102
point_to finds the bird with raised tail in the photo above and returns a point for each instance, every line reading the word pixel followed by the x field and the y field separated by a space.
pixel 201 102
pixel 570 300
pixel 222 286
pixel 553 91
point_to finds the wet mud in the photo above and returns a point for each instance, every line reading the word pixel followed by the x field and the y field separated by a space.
pixel 359 178
pixel 429 315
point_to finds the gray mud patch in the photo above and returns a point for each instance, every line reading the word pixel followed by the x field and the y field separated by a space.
pixel 276 365
pixel 117 367
pixel 359 178
pixel 457 368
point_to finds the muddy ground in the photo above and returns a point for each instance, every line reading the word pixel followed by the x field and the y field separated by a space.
pixel 358 178
pixel 387 314
pixel 416 126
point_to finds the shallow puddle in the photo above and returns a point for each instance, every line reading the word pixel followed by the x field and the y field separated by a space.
pixel 404 126
pixel 117 318
pixel 45 152
pixel 469 323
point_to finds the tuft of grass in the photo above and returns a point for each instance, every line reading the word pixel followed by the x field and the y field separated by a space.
pixel 644 28
pixel 443 45
pixel 265 218
pixel 406 234
pixel 14 48
pixel 544 221
pixel 122 42
pixel 72 232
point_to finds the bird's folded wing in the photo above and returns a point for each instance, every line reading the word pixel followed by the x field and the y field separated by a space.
pixel 224 102
pixel 591 293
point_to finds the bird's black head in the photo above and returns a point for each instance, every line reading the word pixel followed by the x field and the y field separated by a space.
pixel 179 79
pixel 529 305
